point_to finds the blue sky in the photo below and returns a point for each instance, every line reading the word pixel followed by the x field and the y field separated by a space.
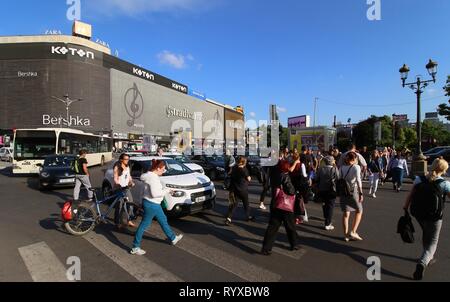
pixel 254 53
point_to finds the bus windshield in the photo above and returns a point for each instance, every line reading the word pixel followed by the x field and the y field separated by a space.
pixel 30 145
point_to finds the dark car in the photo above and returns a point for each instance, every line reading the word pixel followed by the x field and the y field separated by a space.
pixel 435 150
pixel 445 153
pixel 214 166
pixel 57 172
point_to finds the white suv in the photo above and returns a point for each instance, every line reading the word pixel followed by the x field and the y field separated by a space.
pixel 192 192
pixel 184 160
pixel 6 154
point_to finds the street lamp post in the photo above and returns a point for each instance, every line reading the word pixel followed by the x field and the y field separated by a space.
pixel 68 102
pixel 419 166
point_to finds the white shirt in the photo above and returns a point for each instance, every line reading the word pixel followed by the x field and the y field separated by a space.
pixel 361 160
pixel 353 177
pixel 125 178
pixel 154 190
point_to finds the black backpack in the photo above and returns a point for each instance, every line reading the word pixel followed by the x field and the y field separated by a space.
pixel 428 200
pixel 405 228
pixel 343 187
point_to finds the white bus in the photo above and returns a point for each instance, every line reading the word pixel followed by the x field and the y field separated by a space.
pixel 32 145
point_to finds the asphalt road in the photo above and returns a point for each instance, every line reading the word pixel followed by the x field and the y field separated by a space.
pixel 35 245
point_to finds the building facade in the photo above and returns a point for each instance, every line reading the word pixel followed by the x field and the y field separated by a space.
pixel 117 97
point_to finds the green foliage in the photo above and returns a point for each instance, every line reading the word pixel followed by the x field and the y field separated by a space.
pixel 435 134
pixel 444 109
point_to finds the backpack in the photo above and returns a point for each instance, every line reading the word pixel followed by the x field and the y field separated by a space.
pixel 405 228
pixel 75 167
pixel 427 202
pixel 343 187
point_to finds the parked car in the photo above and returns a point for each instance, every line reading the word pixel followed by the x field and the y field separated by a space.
pixel 57 172
pixel 445 153
pixel 192 192
pixel 436 150
pixel 185 160
pixel 6 154
pixel 214 166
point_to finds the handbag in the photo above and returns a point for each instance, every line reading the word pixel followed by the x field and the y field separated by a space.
pixel 284 202
pixel 405 228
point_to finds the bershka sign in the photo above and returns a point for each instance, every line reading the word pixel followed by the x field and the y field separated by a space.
pixel 62 50
pixel 74 121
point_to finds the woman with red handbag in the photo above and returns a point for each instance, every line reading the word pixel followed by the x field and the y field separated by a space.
pixel 283 212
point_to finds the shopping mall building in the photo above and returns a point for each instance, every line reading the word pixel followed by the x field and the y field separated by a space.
pixel 118 97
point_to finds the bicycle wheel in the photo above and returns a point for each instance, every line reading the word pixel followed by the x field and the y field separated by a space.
pixel 84 220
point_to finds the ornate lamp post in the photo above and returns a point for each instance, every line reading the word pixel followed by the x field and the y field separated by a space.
pixel 419 166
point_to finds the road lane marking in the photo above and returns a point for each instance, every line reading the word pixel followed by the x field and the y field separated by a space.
pixel 228 262
pixel 140 268
pixel 42 263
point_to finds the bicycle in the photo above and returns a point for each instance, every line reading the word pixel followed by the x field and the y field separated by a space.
pixel 87 216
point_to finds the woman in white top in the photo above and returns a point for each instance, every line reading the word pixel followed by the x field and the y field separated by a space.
pixel 399 169
pixel 122 180
pixel 154 194
pixel 351 172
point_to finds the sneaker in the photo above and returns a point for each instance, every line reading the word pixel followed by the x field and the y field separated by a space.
pixel 418 274
pixel 298 221
pixel 329 227
pixel 262 207
pixel 355 236
pixel 374 196
pixel 346 238
pixel 370 192
pixel 177 238
pixel 138 251
pixel 228 222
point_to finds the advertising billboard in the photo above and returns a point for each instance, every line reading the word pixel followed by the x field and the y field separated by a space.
pixel 299 122
pixel 142 107
pixel 27 88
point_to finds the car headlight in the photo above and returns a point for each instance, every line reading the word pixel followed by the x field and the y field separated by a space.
pixel 177 194
pixel 45 174
pixel 220 169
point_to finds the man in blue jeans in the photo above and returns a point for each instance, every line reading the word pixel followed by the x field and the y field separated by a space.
pixel 154 193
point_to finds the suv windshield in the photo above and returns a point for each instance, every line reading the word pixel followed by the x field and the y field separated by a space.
pixel 58 161
pixel 173 168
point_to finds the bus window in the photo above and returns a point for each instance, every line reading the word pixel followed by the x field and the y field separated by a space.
pixel 34 144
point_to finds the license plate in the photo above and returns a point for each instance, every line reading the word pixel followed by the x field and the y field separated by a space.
pixel 200 199
pixel 67 181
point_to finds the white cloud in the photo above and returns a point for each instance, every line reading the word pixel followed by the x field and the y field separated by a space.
pixel 175 60
pixel 252 114
pixel 281 109
pixel 431 91
pixel 140 7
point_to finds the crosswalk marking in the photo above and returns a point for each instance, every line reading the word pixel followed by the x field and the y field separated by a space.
pixel 140 268
pixel 42 263
pixel 250 238
pixel 232 264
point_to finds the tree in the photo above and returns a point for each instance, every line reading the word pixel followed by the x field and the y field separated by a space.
pixel 444 109
pixel 363 134
pixel 435 134
pixel 407 138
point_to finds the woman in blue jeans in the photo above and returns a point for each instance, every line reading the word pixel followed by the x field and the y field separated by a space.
pixel 399 169
pixel 154 193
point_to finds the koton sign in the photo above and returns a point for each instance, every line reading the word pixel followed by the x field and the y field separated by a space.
pixel 62 50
